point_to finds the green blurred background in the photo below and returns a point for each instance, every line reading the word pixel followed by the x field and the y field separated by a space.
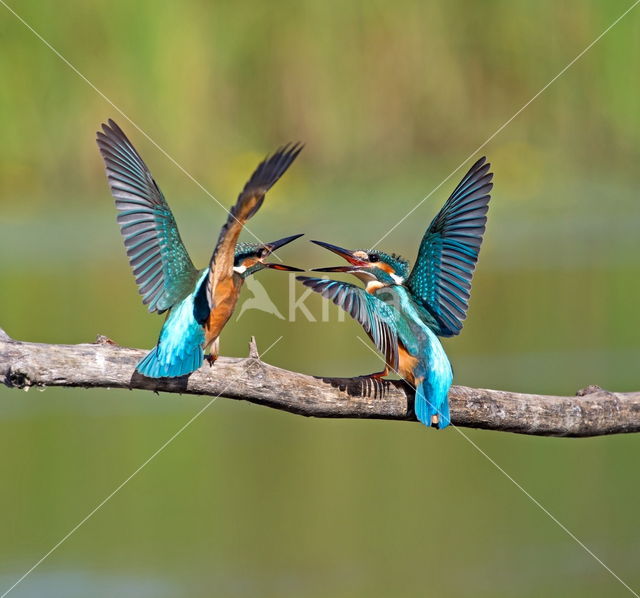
pixel 389 98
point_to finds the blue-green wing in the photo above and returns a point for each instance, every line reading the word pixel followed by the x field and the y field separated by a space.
pixel 378 319
pixel 161 265
pixel 441 278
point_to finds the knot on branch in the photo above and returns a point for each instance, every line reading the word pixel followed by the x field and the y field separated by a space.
pixel 101 339
pixel 591 389
pixel 255 367
pixel 17 379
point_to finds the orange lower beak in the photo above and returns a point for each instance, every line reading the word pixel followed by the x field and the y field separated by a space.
pixel 283 267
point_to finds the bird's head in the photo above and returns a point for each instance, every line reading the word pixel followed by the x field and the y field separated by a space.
pixel 370 266
pixel 251 257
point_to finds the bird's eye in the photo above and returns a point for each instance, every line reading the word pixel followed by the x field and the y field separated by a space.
pixel 264 253
pixel 373 257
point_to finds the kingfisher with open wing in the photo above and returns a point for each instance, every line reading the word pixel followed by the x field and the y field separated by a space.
pixel 404 313
pixel 199 302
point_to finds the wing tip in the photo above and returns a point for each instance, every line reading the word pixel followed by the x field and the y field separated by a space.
pixel 479 169
pixel 110 135
pixel 269 171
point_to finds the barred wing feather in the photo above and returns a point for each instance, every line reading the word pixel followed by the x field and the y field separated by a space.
pixel 161 265
pixel 441 278
pixel 378 319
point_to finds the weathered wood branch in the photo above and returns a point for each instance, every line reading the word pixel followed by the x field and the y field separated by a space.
pixel 592 412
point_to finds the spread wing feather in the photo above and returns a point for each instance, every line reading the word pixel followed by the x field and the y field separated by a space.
pixel 161 265
pixel 441 278
pixel 248 203
pixel 376 317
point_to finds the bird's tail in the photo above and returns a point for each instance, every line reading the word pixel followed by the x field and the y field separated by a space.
pixel 162 364
pixel 432 408
pixel 180 347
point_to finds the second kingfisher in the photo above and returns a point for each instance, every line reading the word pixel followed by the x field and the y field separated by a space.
pixel 404 313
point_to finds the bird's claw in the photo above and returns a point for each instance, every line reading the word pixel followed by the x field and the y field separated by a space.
pixel 377 375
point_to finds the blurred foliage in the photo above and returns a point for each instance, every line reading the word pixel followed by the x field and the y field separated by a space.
pixel 374 88
pixel 390 98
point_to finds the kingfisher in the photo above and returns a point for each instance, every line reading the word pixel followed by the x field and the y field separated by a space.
pixel 198 303
pixel 404 312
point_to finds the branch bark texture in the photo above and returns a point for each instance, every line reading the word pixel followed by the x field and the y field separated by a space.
pixel 103 364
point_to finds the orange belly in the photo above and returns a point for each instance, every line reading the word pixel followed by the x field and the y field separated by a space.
pixel 406 364
pixel 224 302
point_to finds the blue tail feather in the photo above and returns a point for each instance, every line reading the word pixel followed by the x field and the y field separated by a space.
pixel 180 347
pixel 429 404
pixel 433 377
pixel 157 364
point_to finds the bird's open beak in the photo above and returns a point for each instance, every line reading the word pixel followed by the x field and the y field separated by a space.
pixel 356 263
pixel 276 245
pixel 283 267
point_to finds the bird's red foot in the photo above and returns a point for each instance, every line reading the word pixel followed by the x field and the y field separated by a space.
pixel 211 359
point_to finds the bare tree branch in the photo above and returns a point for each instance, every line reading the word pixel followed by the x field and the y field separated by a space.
pixel 592 412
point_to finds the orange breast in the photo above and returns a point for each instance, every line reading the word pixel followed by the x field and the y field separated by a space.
pixel 224 301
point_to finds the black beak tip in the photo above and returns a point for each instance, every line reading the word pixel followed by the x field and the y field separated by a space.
pixel 321 243
pixel 332 247
pixel 285 241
